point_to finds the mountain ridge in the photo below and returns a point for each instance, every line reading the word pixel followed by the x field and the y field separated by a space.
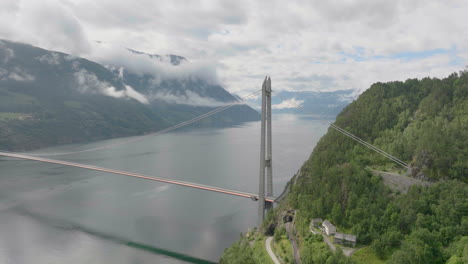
pixel 49 98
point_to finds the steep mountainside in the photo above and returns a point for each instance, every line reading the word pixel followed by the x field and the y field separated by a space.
pixel 182 97
pixel 424 123
pixel 49 98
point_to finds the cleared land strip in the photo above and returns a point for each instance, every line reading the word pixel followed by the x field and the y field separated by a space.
pixel 398 182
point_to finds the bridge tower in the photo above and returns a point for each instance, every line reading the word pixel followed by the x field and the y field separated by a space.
pixel 265 153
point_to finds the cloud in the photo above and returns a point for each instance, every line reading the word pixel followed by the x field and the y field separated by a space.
pixel 16 74
pixel 130 92
pixel 352 44
pixel 189 18
pixel 374 13
pixel 88 83
pixel 348 97
pixel 293 103
pixel 120 59
pixel 187 98
pixel 5 53
pixel 52 58
pixel 159 69
pixel 49 24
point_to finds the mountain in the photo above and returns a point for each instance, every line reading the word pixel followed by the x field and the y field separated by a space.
pixel 327 105
pixel 173 59
pixel 188 96
pixel 49 98
pixel 424 123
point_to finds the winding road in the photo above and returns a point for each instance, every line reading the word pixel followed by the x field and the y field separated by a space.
pixel 270 252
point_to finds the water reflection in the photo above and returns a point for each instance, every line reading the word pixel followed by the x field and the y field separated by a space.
pixel 55 214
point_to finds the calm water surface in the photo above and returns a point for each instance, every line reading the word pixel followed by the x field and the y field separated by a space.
pixel 55 214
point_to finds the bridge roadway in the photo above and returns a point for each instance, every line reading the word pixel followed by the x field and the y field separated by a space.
pixel 141 176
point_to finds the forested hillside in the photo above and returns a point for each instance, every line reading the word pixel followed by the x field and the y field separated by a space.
pixel 50 98
pixel 422 122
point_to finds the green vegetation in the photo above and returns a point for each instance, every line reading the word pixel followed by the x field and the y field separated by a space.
pixel 281 246
pixel 283 250
pixel 459 252
pixel 314 250
pixel 249 249
pixel 13 116
pixel 366 256
pixel 61 101
pixel 260 255
pixel 424 123
pixel 399 118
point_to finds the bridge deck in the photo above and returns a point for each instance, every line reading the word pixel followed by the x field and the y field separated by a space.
pixel 141 176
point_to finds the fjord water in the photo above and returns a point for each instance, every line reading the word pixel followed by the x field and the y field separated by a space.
pixel 56 214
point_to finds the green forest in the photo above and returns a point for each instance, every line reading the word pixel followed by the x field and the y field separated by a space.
pixel 425 124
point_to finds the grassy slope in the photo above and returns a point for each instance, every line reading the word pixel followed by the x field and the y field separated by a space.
pixel 366 256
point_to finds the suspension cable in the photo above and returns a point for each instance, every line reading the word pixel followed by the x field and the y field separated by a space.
pixel 361 141
pixel 352 136
pixel 179 125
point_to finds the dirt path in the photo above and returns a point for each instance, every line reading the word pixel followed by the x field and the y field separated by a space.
pixel 329 243
pixel 297 257
pixel 349 251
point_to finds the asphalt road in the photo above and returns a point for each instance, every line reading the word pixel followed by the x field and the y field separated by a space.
pixel 270 252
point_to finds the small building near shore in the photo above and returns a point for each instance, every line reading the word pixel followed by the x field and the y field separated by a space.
pixel 328 228
pixel 315 222
pixel 345 239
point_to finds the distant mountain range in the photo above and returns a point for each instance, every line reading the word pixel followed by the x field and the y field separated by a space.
pixel 325 104
pixel 49 98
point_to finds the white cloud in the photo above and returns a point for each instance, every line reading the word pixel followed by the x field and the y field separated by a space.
pixel 118 56
pixel 52 58
pixel 352 42
pixel 187 98
pixel 89 83
pixel 5 53
pixel 130 92
pixel 16 74
pixel 49 24
pixel 291 103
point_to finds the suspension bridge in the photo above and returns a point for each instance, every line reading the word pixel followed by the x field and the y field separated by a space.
pixel 141 176
pixel 264 197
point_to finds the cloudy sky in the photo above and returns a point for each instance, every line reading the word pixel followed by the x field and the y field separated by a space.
pixel 304 45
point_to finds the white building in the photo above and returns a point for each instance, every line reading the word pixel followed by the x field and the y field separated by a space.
pixel 328 228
